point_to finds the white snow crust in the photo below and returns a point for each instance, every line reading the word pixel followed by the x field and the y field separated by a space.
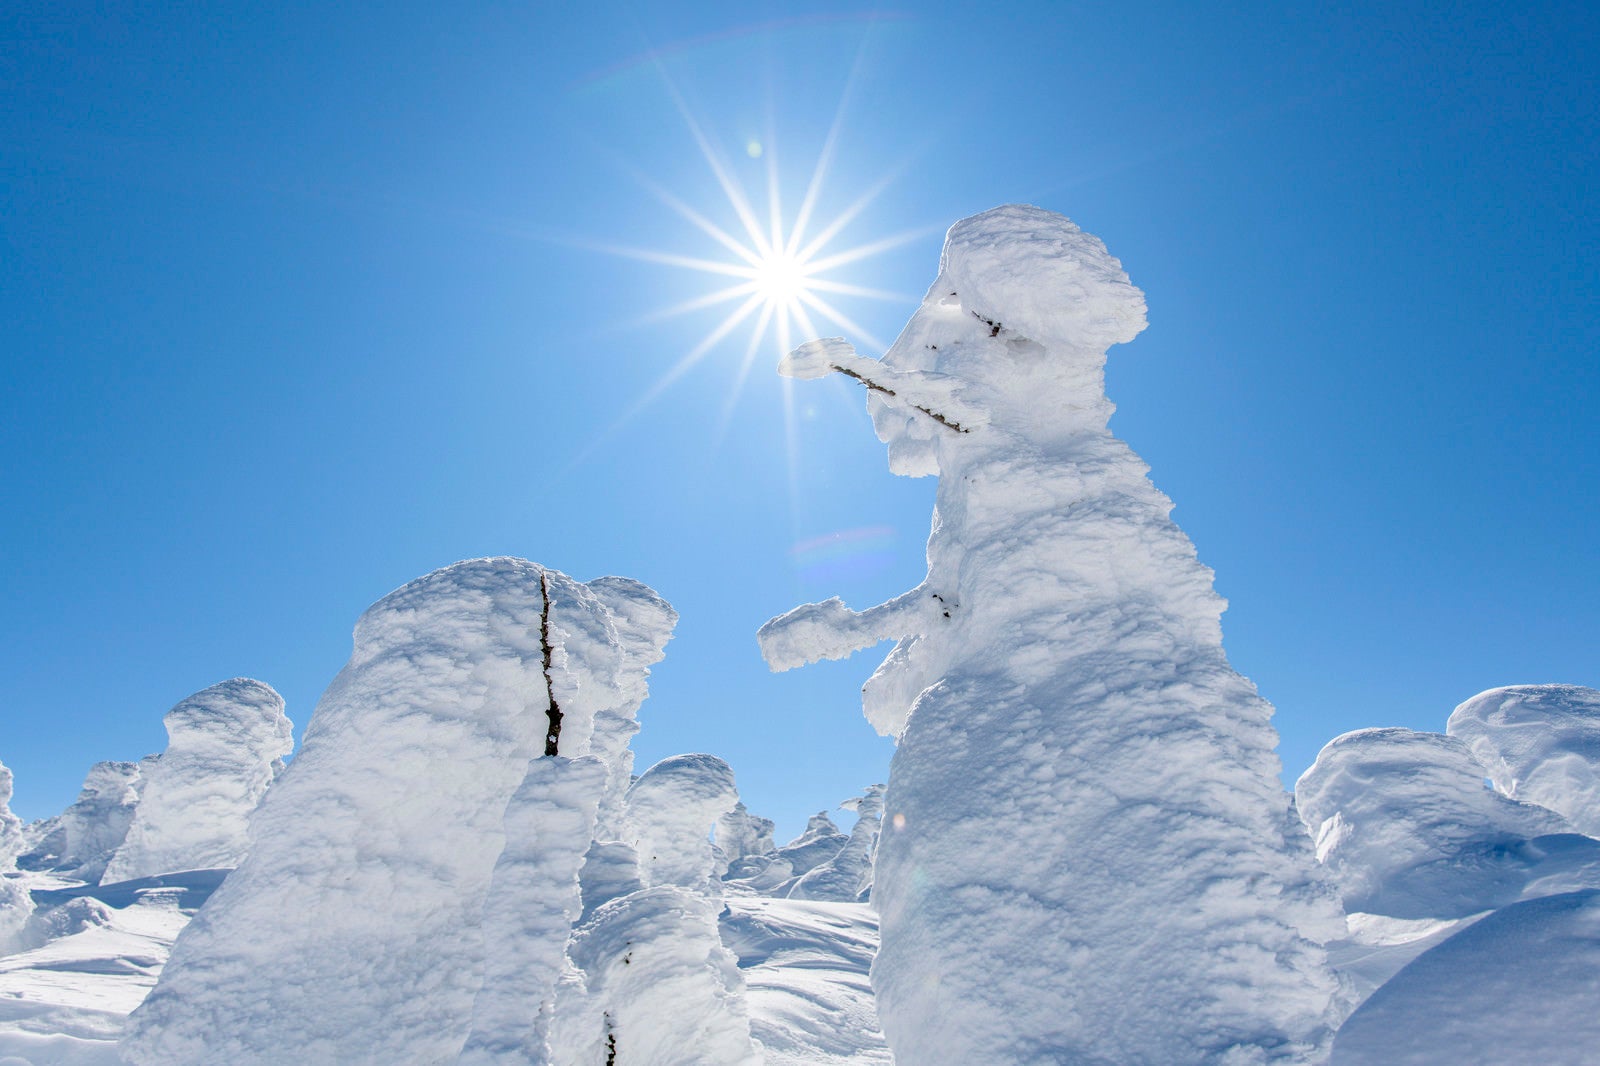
pixel 1539 743
pixel 224 747
pixel 1086 854
pixel 381 840
pixel 805 965
pixel 1516 987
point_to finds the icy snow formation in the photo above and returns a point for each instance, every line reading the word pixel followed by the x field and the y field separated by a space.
pixel 1517 987
pixel 85 835
pixel 1086 854
pixel 659 986
pixel 381 841
pixel 224 746
pixel 1539 743
pixel 1403 821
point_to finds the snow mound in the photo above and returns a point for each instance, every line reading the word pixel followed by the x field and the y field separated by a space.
pixel 87 834
pixel 1518 986
pixel 739 836
pixel 1405 824
pixel 12 840
pixel 1539 743
pixel 1086 854
pixel 352 932
pixel 225 744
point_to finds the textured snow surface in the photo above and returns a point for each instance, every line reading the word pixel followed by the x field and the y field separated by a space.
pixel 64 1000
pixel 1405 824
pixel 846 877
pixel 805 967
pixel 225 745
pixel 1539 743
pixel 1086 855
pixel 351 933
pixel 1516 987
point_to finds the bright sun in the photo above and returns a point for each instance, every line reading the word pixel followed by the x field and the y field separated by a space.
pixel 780 278
pixel 776 263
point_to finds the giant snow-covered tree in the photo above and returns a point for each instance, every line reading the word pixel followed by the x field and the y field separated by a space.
pixel 1086 854
pixel 425 845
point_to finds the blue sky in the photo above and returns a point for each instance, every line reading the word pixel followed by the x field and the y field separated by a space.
pixel 298 303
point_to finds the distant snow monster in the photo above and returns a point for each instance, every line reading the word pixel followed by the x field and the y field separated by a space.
pixel 1086 854
pixel 225 747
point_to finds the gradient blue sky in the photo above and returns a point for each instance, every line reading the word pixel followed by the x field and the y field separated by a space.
pixel 298 302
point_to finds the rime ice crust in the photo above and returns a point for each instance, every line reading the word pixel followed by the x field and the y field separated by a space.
pixel 382 838
pixel 1085 854
pixel 1539 743
pixel 225 745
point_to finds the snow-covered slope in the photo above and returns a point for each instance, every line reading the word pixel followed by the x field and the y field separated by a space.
pixel 805 966
pixel 1520 986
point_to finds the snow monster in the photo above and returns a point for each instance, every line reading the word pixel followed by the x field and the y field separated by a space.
pixel 1086 853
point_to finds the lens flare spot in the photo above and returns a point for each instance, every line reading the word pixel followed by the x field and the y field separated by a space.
pixel 899 820
pixel 753 149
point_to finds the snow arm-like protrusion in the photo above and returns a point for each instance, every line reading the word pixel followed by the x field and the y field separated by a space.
pixel 932 394
pixel 830 630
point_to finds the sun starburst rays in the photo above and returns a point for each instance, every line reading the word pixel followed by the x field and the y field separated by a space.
pixel 777 268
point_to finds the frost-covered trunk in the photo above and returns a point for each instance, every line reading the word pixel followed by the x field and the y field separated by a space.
pixel 1084 855
pixel 360 929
